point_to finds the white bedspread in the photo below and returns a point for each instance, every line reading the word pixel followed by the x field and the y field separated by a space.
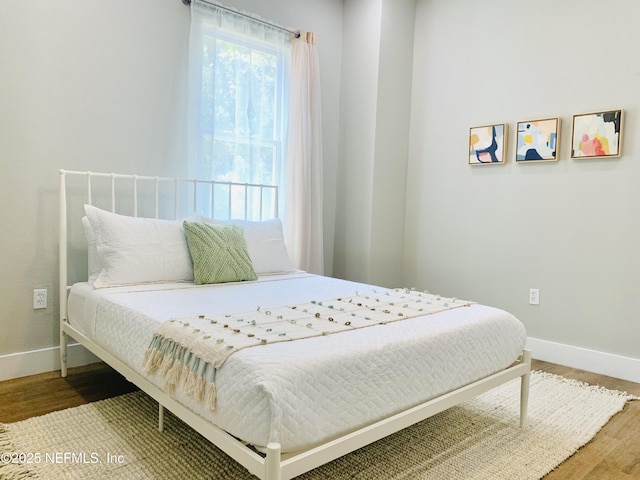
pixel 305 392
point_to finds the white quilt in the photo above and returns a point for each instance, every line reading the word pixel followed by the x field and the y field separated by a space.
pixel 305 392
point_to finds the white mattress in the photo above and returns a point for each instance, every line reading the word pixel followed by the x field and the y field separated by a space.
pixel 305 392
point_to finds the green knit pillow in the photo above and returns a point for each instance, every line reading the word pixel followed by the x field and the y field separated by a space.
pixel 219 253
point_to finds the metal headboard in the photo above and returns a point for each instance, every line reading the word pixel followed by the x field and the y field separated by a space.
pixel 158 197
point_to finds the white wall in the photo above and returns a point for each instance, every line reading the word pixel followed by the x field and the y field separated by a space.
pixel 100 85
pixel 361 58
pixel 569 228
pixel 89 85
pixel 376 99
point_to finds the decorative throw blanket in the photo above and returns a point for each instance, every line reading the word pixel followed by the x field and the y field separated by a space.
pixel 188 351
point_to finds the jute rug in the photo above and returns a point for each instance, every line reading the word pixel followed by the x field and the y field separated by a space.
pixel 117 439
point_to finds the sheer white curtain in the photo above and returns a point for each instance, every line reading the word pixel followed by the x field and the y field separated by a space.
pixel 304 212
pixel 255 117
pixel 238 101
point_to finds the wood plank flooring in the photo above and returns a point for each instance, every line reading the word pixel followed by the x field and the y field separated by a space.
pixel 613 454
pixel 27 397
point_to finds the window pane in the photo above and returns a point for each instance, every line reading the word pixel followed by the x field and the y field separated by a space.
pixel 241 117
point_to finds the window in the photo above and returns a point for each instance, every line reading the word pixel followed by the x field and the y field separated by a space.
pixel 242 121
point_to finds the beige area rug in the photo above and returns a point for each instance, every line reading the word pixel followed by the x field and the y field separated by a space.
pixel 117 439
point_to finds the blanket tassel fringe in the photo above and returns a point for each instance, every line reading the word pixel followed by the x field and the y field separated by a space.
pixel 178 375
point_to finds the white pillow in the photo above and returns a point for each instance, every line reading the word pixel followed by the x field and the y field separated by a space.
pixel 94 260
pixel 138 250
pixel 265 243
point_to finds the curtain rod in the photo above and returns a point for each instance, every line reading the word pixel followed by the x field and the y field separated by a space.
pixel 264 22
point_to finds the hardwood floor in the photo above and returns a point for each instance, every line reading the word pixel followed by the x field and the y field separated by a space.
pixel 613 454
pixel 27 397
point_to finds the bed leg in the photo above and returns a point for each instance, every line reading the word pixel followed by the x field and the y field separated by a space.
pixel 160 417
pixel 524 389
pixel 272 463
pixel 63 354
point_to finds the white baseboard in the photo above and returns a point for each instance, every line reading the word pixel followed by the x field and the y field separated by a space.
pixel 625 368
pixel 48 359
pixel 23 364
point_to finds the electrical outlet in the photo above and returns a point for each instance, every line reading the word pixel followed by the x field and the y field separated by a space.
pixel 534 296
pixel 39 298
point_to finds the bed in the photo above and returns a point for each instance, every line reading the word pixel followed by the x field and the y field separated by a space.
pixel 327 378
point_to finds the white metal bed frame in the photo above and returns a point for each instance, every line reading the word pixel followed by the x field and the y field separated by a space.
pixel 274 465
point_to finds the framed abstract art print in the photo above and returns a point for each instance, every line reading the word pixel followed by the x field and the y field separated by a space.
pixel 487 144
pixel 597 135
pixel 537 140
